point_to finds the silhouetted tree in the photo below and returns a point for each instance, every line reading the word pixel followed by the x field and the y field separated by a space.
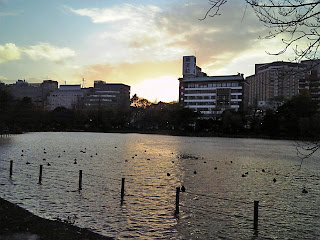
pixel 139 102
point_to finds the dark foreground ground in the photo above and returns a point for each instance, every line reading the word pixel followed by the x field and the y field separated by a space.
pixel 17 223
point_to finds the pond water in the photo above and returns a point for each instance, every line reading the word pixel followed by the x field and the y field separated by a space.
pixel 222 177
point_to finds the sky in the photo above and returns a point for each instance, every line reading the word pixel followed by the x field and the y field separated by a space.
pixel 138 43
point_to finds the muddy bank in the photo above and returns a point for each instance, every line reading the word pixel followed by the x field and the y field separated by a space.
pixel 17 223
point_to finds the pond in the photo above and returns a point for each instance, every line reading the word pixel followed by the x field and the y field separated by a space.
pixel 222 178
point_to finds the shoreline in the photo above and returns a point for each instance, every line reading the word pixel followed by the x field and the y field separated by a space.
pixel 18 223
pixel 181 134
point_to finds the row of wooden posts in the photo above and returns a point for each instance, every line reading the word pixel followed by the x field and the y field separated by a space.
pixel 4 135
pixel 80 179
pixel 256 203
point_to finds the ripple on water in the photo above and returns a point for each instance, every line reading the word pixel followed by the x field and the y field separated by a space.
pixel 214 206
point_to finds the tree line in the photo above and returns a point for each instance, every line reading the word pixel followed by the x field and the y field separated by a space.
pixel 297 118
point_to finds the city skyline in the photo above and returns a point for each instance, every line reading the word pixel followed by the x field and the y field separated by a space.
pixel 139 43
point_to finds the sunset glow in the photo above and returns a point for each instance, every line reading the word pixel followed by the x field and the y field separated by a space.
pixel 138 43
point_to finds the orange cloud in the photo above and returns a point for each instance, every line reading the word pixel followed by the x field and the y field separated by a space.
pixel 130 73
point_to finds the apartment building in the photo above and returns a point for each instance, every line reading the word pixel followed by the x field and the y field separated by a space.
pixel 276 81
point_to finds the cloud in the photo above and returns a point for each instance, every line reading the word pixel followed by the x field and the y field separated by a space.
pixel 9 52
pixel 130 34
pixel 127 12
pixel 215 41
pixel 4 14
pixel 130 73
pixel 147 33
pixel 49 52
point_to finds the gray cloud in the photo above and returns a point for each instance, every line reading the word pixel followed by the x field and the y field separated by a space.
pixel 216 41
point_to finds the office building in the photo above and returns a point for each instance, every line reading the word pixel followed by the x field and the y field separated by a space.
pixel 211 95
pixel 67 96
pixel 104 95
pixel 37 92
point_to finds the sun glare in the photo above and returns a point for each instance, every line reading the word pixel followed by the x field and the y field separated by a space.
pixel 163 89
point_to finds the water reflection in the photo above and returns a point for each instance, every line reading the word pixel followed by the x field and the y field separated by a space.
pixel 217 203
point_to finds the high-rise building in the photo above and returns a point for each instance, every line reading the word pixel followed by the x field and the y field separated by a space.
pixel 211 95
pixel 311 82
pixel 276 81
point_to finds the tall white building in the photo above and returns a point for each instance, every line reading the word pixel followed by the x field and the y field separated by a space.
pixel 211 95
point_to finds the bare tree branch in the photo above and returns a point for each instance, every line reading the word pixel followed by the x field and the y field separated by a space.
pixel 296 21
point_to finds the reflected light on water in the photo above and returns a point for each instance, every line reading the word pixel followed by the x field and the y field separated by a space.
pixel 222 178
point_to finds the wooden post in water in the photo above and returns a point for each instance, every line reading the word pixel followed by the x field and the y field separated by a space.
pixel 11 165
pixel 122 189
pixel 255 216
pixel 40 174
pixel 80 180
pixel 177 200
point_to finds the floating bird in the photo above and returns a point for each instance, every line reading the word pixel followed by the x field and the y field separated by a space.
pixel 183 189
pixel 304 191
pixel 75 161
pixel 243 175
pixel 21 150
pixel 96 153
pixel 27 163
pixel 64 151
pixel 195 172
pixel 135 155
pixel 230 161
pixel 172 161
pixel 44 152
pixel 204 162
pixel 145 150
pixel 168 174
pixel 21 155
pixel 91 156
pixel 215 168
pixel 43 159
pixel 48 164
pixel 115 147
pixel 263 170
pixel 58 156
pixel 246 173
pixel 126 160
pixel 274 180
